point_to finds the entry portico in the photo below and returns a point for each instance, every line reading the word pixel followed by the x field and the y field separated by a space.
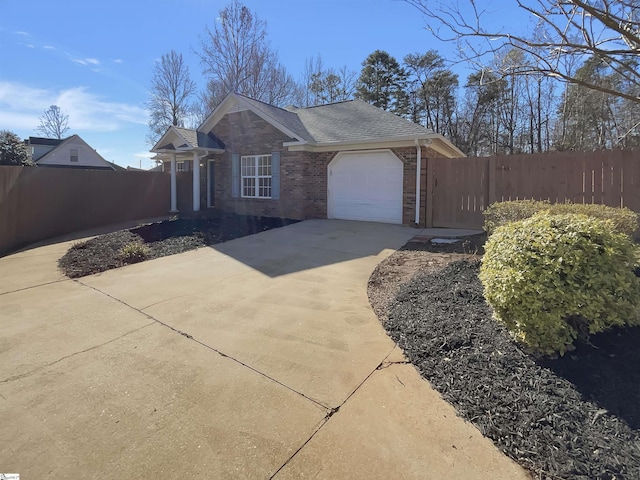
pixel 187 145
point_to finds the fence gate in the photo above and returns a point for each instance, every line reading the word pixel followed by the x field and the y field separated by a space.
pixel 459 189
pixel 460 192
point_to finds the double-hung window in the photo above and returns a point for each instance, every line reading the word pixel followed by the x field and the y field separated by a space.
pixel 255 176
pixel 74 155
pixel 180 167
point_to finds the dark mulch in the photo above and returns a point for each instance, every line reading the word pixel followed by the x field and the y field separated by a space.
pixel 574 417
pixel 161 239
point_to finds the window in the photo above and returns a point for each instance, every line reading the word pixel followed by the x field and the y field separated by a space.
pixel 179 166
pixel 256 176
pixel 74 155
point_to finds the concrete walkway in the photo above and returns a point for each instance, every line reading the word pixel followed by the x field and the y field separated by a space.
pixel 257 358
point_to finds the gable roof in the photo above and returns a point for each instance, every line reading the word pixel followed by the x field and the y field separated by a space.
pixel 290 119
pixel 286 121
pixel 352 122
pixel 61 143
pixel 355 120
pixel 187 139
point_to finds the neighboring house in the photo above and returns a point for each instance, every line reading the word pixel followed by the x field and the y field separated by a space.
pixel 347 160
pixel 71 152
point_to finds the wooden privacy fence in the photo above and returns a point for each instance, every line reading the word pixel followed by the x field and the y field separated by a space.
pixel 40 203
pixel 459 189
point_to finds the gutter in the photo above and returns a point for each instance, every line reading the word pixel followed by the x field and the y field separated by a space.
pixel 400 138
pixel 418 169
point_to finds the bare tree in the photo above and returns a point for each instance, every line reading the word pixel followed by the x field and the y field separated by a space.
pixel 171 91
pixel 322 85
pixel 236 57
pixel 567 32
pixel 53 123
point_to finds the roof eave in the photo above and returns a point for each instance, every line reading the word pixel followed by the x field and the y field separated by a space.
pixel 202 150
pixel 328 146
pixel 226 105
pixel 443 146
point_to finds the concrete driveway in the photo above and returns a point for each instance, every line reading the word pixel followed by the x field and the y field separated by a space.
pixel 258 358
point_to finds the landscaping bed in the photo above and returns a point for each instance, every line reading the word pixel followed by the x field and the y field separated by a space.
pixel 160 239
pixel 577 416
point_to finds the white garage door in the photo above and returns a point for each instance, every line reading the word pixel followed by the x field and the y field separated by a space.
pixel 365 186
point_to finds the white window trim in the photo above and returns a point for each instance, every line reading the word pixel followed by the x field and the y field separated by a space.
pixel 76 156
pixel 257 177
pixel 180 167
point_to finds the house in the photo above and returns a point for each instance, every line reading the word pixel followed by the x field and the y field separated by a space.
pixel 346 160
pixel 71 152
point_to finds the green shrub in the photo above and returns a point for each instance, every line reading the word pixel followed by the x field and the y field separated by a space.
pixel 500 213
pixel 553 278
pixel 134 253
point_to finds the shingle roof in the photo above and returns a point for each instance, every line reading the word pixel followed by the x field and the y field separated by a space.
pixel 199 139
pixel 354 120
pixel 45 141
pixel 286 118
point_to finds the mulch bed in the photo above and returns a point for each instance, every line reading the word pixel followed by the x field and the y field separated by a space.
pixel 577 416
pixel 161 239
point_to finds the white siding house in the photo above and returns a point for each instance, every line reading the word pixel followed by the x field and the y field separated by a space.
pixel 72 152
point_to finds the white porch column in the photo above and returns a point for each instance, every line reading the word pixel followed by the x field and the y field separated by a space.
pixel 196 182
pixel 174 197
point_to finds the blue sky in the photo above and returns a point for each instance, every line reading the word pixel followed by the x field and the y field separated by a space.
pixel 95 59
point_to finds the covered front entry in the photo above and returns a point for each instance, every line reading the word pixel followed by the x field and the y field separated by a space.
pixel 365 186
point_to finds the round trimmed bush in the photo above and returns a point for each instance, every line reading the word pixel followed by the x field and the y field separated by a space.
pixel 553 278
pixel 500 213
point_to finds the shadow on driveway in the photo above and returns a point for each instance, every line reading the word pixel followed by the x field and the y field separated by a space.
pixel 314 243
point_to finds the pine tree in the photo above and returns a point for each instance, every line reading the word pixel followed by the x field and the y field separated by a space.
pixel 382 83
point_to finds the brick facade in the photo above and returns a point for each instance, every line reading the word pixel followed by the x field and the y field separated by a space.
pixel 303 175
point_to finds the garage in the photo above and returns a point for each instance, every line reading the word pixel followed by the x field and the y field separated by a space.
pixel 365 186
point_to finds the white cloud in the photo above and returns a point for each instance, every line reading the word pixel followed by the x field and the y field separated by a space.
pixel 24 34
pixel 21 107
pixel 85 61
pixel 49 47
pixel 92 62
pixel 118 60
pixel 143 155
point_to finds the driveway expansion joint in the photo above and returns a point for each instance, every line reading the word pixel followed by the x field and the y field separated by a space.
pixel 213 349
pixel 61 359
pixel 332 411
pixel 35 286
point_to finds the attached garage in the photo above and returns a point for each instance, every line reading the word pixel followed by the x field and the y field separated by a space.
pixel 365 186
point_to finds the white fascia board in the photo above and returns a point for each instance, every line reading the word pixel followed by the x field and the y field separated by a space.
pixel 219 112
pixel 188 150
pixel 404 141
pixel 275 124
pixel 162 140
pixel 441 145
pixel 433 140
pixel 228 103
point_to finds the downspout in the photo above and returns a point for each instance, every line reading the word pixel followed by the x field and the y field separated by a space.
pixel 418 169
